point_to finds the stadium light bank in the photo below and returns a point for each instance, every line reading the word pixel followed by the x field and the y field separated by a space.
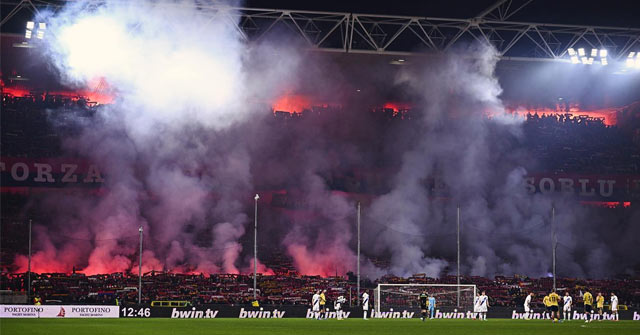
pixel 600 57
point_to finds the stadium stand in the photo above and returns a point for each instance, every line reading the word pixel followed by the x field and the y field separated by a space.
pixel 565 143
pixel 283 289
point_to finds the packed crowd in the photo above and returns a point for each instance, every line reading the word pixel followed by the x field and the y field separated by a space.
pixel 27 124
pixel 569 143
pixel 158 286
pixel 236 289
pixel 562 142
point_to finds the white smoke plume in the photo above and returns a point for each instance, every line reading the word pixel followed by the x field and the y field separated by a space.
pixel 171 160
pixel 504 230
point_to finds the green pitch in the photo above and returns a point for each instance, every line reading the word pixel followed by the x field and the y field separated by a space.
pixel 304 326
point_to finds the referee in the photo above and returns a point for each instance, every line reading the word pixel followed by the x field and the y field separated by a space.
pixel 423 299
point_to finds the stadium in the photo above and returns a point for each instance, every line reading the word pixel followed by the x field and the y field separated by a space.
pixel 281 167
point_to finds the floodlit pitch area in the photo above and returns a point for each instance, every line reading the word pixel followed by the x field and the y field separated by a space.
pixel 306 326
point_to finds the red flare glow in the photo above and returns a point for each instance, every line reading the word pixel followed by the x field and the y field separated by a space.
pixel 297 103
pixel 97 90
pixel 608 115
pixel 607 204
pixel 91 96
pixel 15 91
pixel 261 269
pixel 328 262
pixel 294 103
pixel 397 106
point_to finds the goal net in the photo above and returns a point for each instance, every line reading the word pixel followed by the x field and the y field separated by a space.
pixel 405 296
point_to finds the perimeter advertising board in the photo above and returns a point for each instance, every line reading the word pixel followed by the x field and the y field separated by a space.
pixel 278 312
pixel 271 312
pixel 59 311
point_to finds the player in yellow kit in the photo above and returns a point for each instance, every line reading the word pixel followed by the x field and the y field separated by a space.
pixel 554 298
pixel 600 305
pixel 587 298
pixel 547 307
pixel 323 302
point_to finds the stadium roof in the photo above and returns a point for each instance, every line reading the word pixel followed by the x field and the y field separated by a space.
pixel 519 29
pixel 617 13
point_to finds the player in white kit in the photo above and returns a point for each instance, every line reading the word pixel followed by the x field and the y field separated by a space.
pixel 483 306
pixel 476 300
pixel 337 305
pixel 614 306
pixel 567 304
pixel 528 314
pixel 315 305
pixel 365 304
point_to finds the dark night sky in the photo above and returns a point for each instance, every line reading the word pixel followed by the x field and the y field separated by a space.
pixel 619 13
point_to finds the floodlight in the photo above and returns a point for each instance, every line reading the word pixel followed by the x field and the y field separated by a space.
pixel 587 60
pixel 27 34
pixel 594 52
pixel 40 34
pixel 575 59
pixel 42 26
pixel 631 54
pixel 572 52
pixel 581 52
pixel 603 53
pixel 30 25
pixel 630 62
pixel 603 61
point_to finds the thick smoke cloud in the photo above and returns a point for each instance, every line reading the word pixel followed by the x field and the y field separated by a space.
pixel 480 160
pixel 189 140
pixel 172 160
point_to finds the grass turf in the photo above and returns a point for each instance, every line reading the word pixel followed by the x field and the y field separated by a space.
pixel 308 327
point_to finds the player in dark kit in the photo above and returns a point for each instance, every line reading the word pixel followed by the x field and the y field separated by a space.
pixel 423 304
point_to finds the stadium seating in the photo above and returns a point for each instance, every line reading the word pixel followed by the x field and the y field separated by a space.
pixel 26 132
pixel 282 290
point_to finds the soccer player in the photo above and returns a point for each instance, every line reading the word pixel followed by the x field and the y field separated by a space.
pixel 432 306
pixel 566 306
pixel 587 298
pixel 476 307
pixel 423 300
pixel 547 307
pixel 527 306
pixel 315 304
pixel 554 298
pixel 483 306
pixel 365 304
pixel 337 305
pixel 600 305
pixel 614 306
pixel 323 302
